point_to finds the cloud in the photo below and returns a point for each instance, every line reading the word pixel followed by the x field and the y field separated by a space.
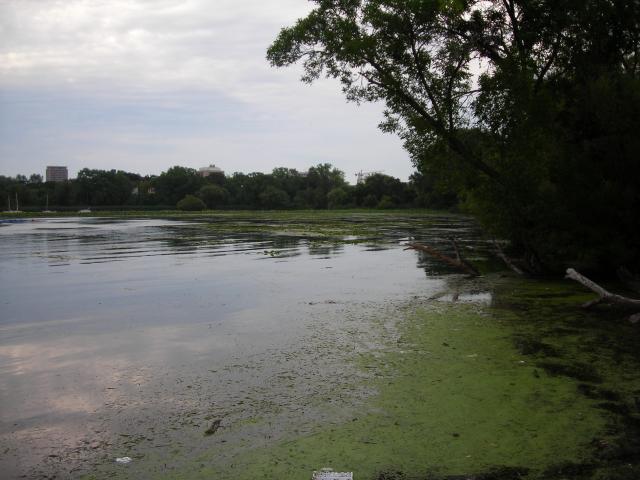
pixel 145 84
pixel 199 44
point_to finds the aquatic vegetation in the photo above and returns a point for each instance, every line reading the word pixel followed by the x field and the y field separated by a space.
pixel 386 364
pixel 455 397
pixel 490 391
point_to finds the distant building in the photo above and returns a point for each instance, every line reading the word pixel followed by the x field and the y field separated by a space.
pixel 144 190
pixel 57 174
pixel 210 170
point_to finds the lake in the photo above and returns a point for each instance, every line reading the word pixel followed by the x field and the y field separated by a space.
pixel 193 344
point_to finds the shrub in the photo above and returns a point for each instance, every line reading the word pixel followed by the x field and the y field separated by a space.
pixel 386 202
pixel 273 197
pixel 337 197
pixel 213 195
pixel 370 201
pixel 191 203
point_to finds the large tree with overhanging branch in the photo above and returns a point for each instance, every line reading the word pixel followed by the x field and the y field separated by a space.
pixel 530 109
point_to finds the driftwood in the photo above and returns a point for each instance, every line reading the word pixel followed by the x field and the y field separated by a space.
pixel 459 263
pixel 508 262
pixel 604 295
pixel 461 259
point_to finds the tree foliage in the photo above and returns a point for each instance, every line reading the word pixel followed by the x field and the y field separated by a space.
pixel 528 108
pixel 175 183
pixel 100 187
pixel 191 203
pixel 273 197
pixel 321 186
pixel 213 195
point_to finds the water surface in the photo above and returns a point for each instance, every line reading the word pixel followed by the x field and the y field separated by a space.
pixel 126 337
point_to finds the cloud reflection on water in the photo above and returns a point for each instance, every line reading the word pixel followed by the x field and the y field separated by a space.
pixel 112 324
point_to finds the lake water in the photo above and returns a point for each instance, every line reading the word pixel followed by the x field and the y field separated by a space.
pixel 130 337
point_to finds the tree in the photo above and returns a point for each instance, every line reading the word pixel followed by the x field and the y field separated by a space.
pixel 288 179
pixel 175 183
pixel 528 106
pixel 274 197
pixel 102 187
pixel 191 203
pixel 386 202
pixel 64 194
pixel 320 180
pixel 337 197
pixel 213 195
pixel 144 193
pixel 380 185
pixel 433 192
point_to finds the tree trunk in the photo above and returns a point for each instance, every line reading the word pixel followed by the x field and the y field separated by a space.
pixel 604 295
pixel 459 264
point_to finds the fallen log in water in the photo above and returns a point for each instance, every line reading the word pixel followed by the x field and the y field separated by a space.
pixel 508 262
pixel 604 295
pixel 460 264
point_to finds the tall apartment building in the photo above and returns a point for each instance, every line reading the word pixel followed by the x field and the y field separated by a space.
pixel 57 174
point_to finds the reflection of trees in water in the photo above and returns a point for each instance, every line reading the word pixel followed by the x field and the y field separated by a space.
pixel 325 249
pixel 475 249
pixel 285 242
pixel 281 246
pixel 188 239
pixel 185 239
pixel 376 247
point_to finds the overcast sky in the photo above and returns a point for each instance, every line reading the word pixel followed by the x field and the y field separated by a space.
pixel 142 85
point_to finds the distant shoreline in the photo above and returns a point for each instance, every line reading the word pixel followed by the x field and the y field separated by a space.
pixel 206 213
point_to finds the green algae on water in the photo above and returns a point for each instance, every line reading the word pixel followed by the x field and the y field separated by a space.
pixel 454 397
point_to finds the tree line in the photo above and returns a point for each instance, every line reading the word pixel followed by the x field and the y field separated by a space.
pixel 320 187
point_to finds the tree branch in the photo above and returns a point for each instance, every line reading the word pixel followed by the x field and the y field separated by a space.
pixel 454 142
pixel 460 258
pixel 450 90
pixel 421 76
pixel 444 258
pixel 605 295
pixel 511 12
pixel 508 262
pixel 545 68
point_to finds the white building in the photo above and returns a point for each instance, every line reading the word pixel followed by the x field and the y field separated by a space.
pixel 210 170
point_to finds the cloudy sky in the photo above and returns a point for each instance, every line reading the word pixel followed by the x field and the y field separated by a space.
pixel 142 85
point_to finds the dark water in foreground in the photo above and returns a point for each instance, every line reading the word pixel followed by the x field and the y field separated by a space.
pixel 121 336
